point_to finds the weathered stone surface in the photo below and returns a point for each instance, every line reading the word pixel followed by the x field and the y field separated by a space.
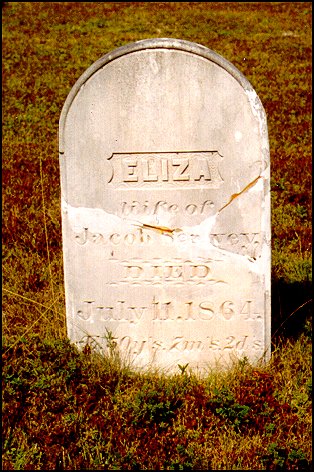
pixel 166 207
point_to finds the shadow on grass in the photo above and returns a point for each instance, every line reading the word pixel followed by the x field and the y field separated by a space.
pixel 291 308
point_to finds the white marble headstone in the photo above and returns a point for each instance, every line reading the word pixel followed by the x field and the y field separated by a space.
pixel 165 174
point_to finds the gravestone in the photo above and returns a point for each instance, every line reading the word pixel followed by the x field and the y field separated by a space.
pixel 164 161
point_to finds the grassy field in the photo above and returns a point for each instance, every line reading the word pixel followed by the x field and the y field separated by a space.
pixel 74 411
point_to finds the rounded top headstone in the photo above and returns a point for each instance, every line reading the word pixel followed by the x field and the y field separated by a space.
pixel 164 163
pixel 157 43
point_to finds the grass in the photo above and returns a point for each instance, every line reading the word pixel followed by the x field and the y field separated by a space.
pixel 74 411
pixel 68 410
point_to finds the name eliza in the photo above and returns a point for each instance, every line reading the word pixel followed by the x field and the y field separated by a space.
pixel 142 169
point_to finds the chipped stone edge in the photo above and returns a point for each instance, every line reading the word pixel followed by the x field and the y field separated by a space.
pixel 265 258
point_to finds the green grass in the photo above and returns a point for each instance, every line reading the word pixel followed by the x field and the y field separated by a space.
pixel 77 411
pixel 68 410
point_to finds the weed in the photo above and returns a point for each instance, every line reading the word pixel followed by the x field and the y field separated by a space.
pixel 183 368
pixel 270 429
pixel 227 407
pixel 111 343
pixel 276 456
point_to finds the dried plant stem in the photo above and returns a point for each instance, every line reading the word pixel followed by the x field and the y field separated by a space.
pixel 33 324
pixel 295 311
pixel 46 232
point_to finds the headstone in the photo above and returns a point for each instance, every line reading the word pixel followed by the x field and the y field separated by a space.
pixel 164 161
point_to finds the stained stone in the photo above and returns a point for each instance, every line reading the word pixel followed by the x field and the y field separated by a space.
pixel 165 174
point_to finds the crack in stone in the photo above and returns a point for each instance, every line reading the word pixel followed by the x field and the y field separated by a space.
pixel 206 225
pixel 161 229
pixel 236 195
pixel 166 230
